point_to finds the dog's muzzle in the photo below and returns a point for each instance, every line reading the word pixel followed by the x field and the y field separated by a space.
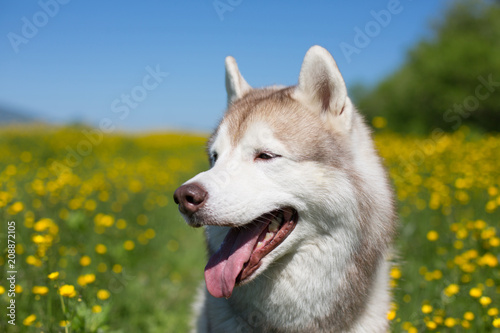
pixel 190 198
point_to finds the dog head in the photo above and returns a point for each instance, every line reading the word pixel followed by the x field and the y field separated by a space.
pixel 281 164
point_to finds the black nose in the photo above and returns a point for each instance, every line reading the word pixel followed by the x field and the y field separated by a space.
pixel 190 198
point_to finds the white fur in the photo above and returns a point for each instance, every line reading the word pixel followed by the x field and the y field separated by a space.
pixel 319 69
pixel 236 86
pixel 301 280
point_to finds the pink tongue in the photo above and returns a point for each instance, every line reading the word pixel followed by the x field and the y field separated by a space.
pixel 225 265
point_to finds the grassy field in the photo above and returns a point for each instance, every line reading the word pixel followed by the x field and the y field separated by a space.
pixel 100 246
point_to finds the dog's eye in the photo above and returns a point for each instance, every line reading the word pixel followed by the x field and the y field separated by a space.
pixel 266 156
pixel 213 158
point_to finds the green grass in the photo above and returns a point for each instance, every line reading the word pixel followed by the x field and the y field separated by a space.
pixel 131 179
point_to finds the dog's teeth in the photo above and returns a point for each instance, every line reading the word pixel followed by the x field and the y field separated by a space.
pixel 259 245
pixel 274 225
pixel 268 237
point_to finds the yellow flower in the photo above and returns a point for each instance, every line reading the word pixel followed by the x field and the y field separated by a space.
pixel 46 224
pixel 53 275
pixel 462 233
pixel 469 316
pixel 128 245
pixel 103 294
pixel 83 280
pixel 379 122
pixel 395 273
pixel 85 261
pixel 96 309
pixel 431 325
pixel 488 233
pixel 40 290
pixel 103 220
pixel 437 274
pixel 121 224
pixel 492 191
pixel 75 203
pixel 471 254
pixel 493 312
pixel 117 268
pixel 451 290
pixel 101 268
pixel 426 308
pixel 103 196
pixel 150 233
pixel 11 170
pixel 15 208
pixel 485 301
pixel 432 235
pixel 28 321
pixel 475 292
pixel 406 325
pixel 488 259
pixel 2 290
pixel 67 290
pixel 142 219
pixel 18 289
pixel 64 323
pixel 89 278
pixel 449 322
pixel 480 224
pixel 32 260
pixel 38 239
pixel 391 315
pixel 458 245
pixel 90 205
pixel 100 248
pixel 496 322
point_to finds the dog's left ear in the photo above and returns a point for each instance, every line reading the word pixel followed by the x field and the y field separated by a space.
pixel 322 87
pixel 236 86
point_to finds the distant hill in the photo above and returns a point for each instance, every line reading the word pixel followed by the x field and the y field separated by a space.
pixel 15 117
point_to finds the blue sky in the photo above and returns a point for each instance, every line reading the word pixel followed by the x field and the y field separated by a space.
pixel 66 60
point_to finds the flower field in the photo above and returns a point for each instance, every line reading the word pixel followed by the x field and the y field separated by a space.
pixel 100 246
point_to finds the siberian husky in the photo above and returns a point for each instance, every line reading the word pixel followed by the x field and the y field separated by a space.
pixel 297 209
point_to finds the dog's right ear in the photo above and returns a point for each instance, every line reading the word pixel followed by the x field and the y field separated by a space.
pixel 236 86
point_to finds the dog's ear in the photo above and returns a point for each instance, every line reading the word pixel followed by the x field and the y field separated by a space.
pixel 236 86
pixel 321 85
